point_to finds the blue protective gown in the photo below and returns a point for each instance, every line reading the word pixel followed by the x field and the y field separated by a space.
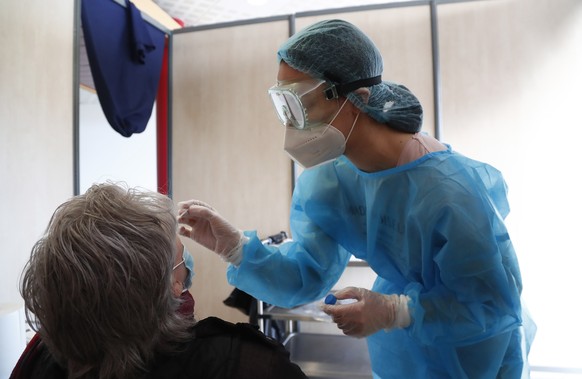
pixel 432 229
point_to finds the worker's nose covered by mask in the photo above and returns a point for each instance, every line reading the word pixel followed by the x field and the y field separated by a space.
pixel 309 141
pixel 315 145
pixel 312 147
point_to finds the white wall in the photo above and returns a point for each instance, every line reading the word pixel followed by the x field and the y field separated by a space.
pixel 104 154
pixel 512 91
pixel 36 133
pixel 36 144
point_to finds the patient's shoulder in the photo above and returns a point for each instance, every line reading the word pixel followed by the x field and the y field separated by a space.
pixel 214 326
pixel 256 355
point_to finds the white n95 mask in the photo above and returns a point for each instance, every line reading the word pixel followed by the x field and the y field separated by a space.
pixel 315 146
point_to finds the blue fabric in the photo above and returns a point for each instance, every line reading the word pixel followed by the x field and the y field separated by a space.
pixel 189 264
pixel 432 229
pixel 125 55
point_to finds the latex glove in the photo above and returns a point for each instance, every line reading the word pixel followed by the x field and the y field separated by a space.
pixel 204 225
pixel 371 312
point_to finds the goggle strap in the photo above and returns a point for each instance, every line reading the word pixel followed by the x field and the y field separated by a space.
pixel 344 89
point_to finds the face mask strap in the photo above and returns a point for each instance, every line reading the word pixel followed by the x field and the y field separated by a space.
pixel 178 265
pixel 352 129
pixel 353 124
pixel 337 114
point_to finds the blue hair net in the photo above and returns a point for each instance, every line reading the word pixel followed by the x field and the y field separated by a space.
pixel 339 52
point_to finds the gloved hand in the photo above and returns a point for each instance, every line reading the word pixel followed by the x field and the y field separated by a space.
pixel 208 228
pixel 371 312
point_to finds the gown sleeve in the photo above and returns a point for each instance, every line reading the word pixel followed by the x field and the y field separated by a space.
pixel 295 272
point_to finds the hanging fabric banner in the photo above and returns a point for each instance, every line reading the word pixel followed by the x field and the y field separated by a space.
pixel 125 55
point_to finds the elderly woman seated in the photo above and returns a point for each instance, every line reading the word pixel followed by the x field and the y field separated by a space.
pixel 101 287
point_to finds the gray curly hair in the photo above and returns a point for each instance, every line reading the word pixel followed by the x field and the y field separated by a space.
pixel 98 283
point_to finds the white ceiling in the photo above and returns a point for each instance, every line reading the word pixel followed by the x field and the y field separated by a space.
pixel 203 12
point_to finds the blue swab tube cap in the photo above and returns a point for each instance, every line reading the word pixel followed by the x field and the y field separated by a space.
pixel 330 299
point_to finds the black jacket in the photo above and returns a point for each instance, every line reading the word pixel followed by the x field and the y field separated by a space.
pixel 218 350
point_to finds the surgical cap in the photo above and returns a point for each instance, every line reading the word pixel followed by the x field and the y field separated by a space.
pixel 339 52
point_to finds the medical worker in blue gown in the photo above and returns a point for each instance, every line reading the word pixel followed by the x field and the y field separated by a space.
pixel 428 220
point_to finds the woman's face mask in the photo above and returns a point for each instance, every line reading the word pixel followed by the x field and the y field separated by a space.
pixel 188 262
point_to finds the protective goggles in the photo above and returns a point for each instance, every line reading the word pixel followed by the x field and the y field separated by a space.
pixel 291 100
